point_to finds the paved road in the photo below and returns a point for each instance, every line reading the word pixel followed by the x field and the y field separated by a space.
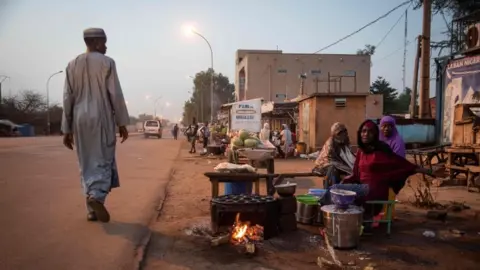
pixel 43 220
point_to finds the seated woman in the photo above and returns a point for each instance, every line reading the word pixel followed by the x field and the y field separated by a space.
pixel 390 135
pixel 336 158
pixel 376 169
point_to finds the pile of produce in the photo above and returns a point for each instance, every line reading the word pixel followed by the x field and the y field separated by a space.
pixel 245 139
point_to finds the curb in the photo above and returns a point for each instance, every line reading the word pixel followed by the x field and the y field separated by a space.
pixel 142 248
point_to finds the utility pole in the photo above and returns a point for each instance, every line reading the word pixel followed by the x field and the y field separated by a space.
pixel 413 95
pixel 425 67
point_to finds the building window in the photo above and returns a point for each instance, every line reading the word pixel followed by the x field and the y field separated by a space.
pixel 340 102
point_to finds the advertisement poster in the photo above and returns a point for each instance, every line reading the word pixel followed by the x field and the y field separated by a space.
pixel 247 115
pixel 462 86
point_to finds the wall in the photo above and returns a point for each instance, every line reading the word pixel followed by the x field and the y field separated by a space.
pixel 351 116
pixel 315 118
pixel 374 106
pixel 265 77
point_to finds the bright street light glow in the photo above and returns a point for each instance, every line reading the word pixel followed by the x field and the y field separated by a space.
pixel 147 97
pixel 188 30
pixel 167 104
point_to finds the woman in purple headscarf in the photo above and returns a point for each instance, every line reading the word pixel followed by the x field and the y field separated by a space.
pixel 390 136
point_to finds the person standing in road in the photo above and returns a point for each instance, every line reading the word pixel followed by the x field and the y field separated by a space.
pixel 205 136
pixel 93 105
pixel 175 132
pixel 192 135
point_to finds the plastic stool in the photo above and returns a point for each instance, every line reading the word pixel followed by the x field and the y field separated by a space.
pixel 387 216
pixel 391 197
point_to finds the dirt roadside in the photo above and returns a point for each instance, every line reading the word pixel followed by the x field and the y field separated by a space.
pixel 456 243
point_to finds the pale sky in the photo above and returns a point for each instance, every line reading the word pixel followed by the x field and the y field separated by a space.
pixel 155 58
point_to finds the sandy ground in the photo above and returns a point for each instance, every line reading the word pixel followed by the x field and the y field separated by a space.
pixel 187 206
pixel 43 220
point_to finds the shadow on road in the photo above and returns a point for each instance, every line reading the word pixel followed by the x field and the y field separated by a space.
pixel 131 231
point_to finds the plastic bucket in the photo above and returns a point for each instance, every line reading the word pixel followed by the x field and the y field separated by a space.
pixel 235 188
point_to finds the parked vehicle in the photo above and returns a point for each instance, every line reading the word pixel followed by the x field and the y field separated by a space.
pixel 152 128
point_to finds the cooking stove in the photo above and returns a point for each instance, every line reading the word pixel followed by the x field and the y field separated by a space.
pixel 257 209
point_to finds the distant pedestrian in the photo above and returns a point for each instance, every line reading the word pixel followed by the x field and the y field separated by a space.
pixel 93 104
pixel 205 135
pixel 175 131
pixel 191 133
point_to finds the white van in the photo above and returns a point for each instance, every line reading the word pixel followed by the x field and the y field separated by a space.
pixel 152 128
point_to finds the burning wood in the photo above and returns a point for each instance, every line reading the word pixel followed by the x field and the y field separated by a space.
pixel 243 233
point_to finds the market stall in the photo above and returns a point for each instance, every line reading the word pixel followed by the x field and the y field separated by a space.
pixel 243 121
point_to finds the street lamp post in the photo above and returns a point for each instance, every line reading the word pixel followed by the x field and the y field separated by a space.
pixel 48 101
pixel 155 107
pixel 2 79
pixel 213 73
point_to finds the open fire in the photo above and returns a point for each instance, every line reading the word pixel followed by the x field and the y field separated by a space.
pixel 243 232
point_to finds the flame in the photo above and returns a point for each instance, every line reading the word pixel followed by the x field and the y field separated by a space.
pixel 242 232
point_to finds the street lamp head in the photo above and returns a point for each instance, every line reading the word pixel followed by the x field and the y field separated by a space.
pixel 189 30
pixel 61 71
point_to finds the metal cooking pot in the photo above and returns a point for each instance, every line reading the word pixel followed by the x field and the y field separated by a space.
pixel 286 190
pixel 318 221
pixel 342 227
pixel 306 213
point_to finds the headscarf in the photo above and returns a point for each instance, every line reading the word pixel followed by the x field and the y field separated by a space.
pixel 265 132
pixel 335 131
pixel 395 141
pixel 336 151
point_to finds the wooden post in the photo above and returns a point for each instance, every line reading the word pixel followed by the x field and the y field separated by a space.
pixel 413 97
pixel 425 70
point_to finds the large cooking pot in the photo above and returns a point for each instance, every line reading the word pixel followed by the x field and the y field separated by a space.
pixel 342 226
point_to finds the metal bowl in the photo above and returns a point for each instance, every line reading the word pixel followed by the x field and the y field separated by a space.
pixel 286 190
pixel 342 198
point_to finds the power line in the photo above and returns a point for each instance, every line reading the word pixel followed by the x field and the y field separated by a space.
pixel 393 27
pixel 367 25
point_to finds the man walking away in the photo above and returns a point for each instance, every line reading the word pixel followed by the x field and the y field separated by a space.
pixel 175 131
pixel 93 105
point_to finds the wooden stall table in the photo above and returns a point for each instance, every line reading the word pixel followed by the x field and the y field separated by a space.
pixel 459 158
pixel 221 177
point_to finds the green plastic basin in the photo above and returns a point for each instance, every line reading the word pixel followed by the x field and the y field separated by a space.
pixel 307 199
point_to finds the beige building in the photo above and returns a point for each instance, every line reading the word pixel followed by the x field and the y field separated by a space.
pixel 275 76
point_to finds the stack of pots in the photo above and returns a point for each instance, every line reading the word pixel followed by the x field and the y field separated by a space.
pixel 288 206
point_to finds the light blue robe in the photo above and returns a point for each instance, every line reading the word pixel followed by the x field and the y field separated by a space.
pixel 93 105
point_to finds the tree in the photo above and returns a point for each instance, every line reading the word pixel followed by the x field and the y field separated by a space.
pixel 189 111
pixel 403 101
pixel 368 50
pixel 382 86
pixel 454 9
pixel 223 92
